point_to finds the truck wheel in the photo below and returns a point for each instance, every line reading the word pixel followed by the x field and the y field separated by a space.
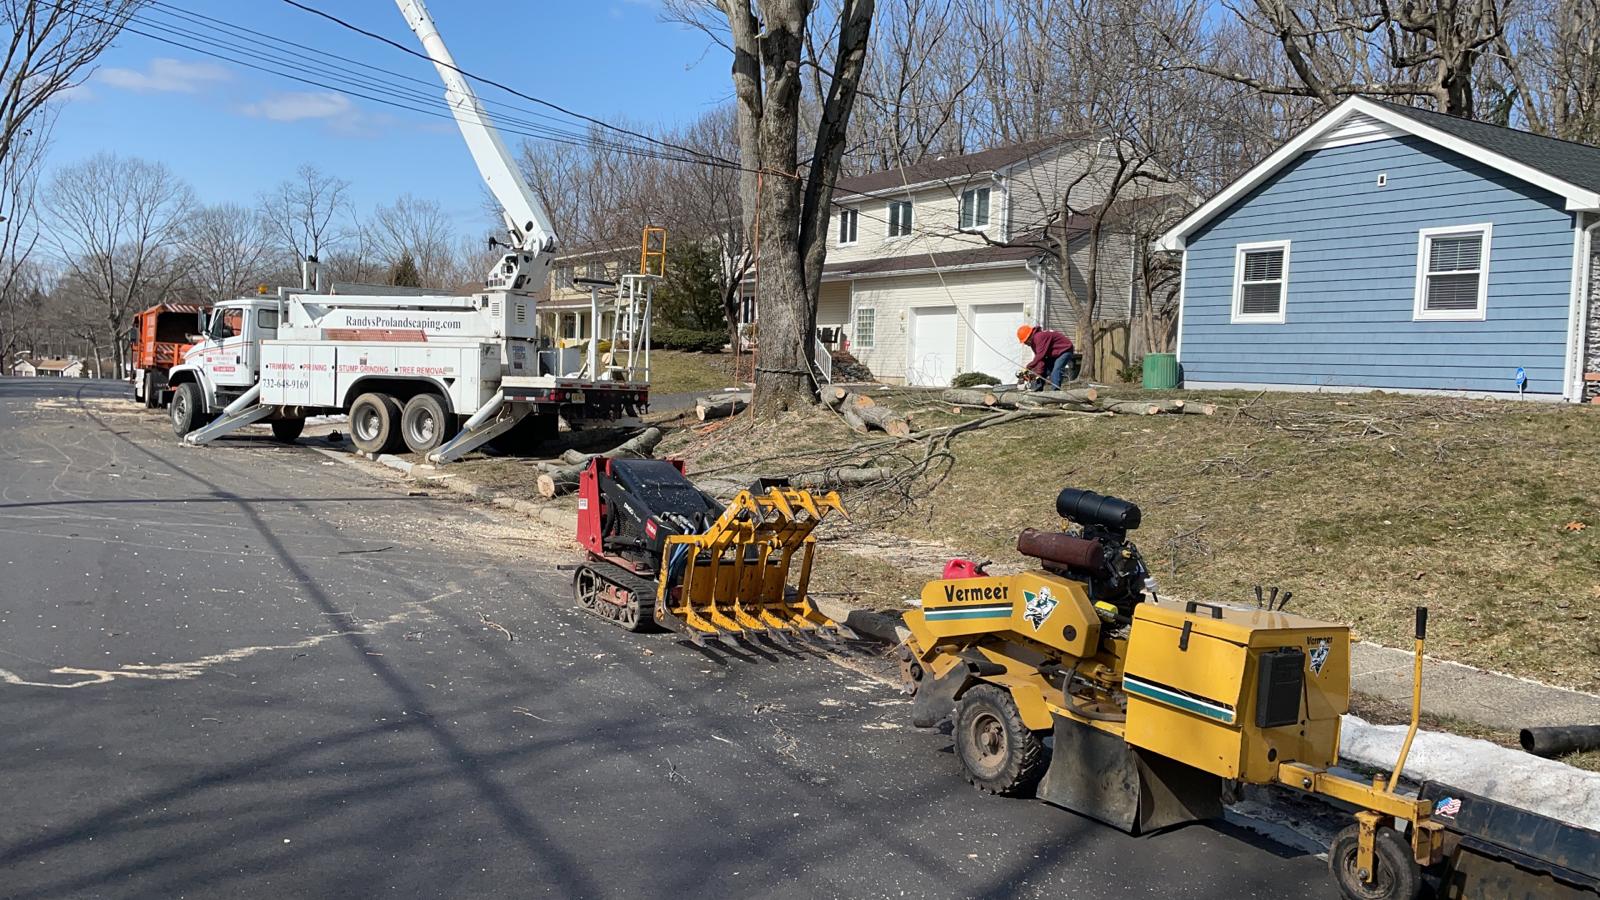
pixel 287 430
pixel 150 396
pixel 425 424
pixel 188 408
pixel 998 753
pixel 375 423
pixel 1398 877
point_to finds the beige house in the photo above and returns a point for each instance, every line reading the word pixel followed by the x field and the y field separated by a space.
pixel 48 367
pixel 564 311
pixel 931 268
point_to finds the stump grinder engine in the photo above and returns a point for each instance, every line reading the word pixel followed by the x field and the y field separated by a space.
pixel 661 552
pixel 1151 704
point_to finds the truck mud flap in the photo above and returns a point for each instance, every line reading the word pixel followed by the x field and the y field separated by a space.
pixel 1097 774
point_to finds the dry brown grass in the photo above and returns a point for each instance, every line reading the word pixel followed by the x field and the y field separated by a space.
pixel 1363 505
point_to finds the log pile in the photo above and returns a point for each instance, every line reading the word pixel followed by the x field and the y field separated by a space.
pixel 721 406
pixel 863 414
pixel 562 478
pixel 1082 399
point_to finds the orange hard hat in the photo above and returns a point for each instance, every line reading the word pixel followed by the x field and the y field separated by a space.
pixel 1024 332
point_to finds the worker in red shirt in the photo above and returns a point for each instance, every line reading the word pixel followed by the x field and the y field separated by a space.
pixel 1052 352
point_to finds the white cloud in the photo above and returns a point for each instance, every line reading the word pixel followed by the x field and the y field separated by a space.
pixel 165 76
pixel 301 105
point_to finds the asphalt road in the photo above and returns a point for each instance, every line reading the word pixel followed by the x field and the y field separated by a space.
pixel 248 670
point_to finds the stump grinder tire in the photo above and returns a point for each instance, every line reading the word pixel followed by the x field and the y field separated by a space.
pixel 287 431
pixel 188 408
pixel 425 423
pixel 998 753
pixel 375 423
pixel 1398 877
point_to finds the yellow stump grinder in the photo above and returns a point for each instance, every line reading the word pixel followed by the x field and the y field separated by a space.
pixel 1151 704
pixel 662 553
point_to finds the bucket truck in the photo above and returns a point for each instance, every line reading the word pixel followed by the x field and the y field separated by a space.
pixel 440 375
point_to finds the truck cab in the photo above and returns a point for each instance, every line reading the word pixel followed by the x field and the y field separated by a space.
pixel 225 360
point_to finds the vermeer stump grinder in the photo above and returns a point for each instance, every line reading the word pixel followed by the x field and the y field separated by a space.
pixel 1151 705
pixel 660 552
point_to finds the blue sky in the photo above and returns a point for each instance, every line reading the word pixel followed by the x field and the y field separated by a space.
pixel 232 132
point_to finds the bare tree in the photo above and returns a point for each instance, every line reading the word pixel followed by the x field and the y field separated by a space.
pixel 1549 59
pixel 19 233
pixel 304 214
pixel 417 229
pixel 786 195
pixel 226 250
pixel 1403 49
pixel 118 224
pixel 52 46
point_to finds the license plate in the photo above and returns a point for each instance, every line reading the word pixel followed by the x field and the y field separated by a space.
pixel 575 397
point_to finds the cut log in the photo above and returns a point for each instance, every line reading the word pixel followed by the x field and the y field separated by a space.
pixel 1132 407
pixel 1077 395
pixel 720 406
pixel 845 477
pixel 970 397
pixel 885 420
pixel 564 480
pixel 861 401
pixel 853 419
pixel 1199 409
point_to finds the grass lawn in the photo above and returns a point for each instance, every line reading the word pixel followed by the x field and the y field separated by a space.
pixel 677 372
pixel 1366 505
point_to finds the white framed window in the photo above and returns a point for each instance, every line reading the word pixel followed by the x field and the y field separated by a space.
pixel 849 219
pixel 974 209
pixel 865 324
pixel 1453 273
pixel 899 218
pixel 564 276
pixel 1260 282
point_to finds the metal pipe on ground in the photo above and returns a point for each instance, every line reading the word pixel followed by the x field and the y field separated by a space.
pixel 1561 739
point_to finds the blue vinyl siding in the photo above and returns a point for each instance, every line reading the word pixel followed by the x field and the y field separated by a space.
pixel 1352 276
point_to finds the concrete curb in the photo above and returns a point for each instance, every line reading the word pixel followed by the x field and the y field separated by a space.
pixel 558 518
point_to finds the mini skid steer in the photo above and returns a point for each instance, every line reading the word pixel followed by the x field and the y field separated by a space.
pixel 660 552
pixel 1151 704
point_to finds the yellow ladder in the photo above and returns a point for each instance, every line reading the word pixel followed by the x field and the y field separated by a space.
pixel 653 251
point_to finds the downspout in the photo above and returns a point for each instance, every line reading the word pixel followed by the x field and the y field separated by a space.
pixel 1039 289
pixel 1585 289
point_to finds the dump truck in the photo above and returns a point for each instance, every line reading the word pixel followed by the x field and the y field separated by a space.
pixel 160 337
pixel 441 374
pixel 1150 705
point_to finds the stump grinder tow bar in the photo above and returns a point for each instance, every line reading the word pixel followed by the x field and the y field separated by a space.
pixel 662 553
pixel 1151 704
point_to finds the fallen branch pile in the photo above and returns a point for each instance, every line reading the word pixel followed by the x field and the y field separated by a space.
pixel 1081 399
pixel 863 414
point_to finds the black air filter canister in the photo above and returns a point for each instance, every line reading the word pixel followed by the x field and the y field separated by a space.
pixel 1089 508
pixel 1279 680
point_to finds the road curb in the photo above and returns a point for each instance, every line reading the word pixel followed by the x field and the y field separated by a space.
pixel 558 518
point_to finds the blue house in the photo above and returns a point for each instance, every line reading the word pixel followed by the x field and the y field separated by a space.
pixel 1394 248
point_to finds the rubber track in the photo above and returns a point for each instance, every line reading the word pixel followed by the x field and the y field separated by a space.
pixel 642 589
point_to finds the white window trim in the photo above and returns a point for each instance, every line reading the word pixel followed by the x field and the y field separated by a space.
pixel 856 229
pixel 855 315
pixel 888 217
pixel 960 200
pixel 1419 312
pixel 1241 318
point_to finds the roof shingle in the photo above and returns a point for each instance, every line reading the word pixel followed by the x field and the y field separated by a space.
pixel 1572 162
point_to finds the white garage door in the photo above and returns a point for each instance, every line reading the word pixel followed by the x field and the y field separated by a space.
pixel 994 348
pixel 933 345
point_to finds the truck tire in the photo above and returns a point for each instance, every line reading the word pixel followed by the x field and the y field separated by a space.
pixel 425 423
pixel 148 393
pixel 375 423
pixel 999 754
pixel 286 431
pixel 1398 877
pixel 188 408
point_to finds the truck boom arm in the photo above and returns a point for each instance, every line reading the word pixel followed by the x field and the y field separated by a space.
pixel 531 230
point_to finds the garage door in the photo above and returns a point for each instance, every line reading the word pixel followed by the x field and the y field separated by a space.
pixel 994 349
pixel 933 346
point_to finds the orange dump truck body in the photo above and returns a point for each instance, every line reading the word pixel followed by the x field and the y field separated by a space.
pixel 160 334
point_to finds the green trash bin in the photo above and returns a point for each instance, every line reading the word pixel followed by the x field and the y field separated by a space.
pixel 1160 371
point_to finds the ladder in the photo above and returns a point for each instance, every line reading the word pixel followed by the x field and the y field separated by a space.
pixel 630 326
pixel 653 251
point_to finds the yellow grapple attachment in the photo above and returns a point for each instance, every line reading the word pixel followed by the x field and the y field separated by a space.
pixel 735 575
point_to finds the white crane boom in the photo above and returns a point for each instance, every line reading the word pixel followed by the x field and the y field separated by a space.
pixel 530 228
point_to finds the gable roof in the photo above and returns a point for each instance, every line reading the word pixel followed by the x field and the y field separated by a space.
pixel 946 168
pixel 1567 169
